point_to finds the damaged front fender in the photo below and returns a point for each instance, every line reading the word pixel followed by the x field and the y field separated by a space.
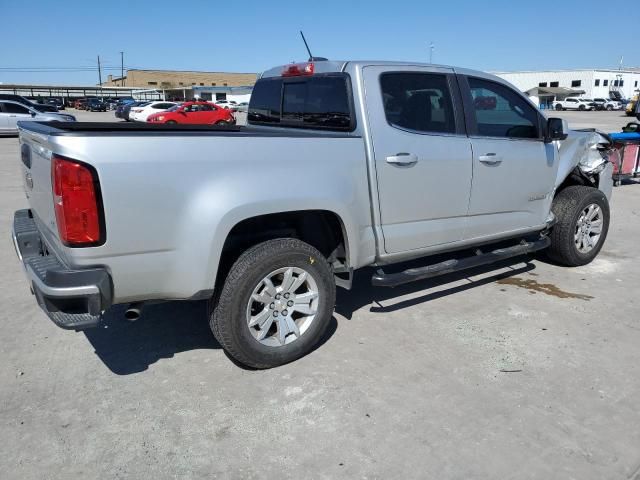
pixel 587 155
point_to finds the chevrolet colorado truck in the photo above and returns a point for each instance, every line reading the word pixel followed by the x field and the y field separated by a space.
pixel 343 165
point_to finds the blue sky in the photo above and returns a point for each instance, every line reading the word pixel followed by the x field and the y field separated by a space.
pixel 251 36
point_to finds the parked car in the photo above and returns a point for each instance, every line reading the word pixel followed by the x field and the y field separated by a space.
pixel 201 113
pixel 242 107
pixel 142 112
pixel 80 104
pixel 56 102
pixel 13 112
pixel 95 105
pixel 24 101
pixel 573 103
pixel 228 104
pixel 126 109
pixel 264 221
pixel 607 104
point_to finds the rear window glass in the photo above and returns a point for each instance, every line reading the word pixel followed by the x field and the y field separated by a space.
pixel 320 102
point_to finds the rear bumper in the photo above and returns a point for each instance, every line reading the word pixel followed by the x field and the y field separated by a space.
pixel 72 299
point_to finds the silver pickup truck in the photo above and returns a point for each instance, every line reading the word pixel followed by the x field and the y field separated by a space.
pixel 343 165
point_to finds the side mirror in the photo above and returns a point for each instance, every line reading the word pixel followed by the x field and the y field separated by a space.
pixel 557 129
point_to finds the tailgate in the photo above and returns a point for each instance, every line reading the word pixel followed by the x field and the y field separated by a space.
pixel 36 178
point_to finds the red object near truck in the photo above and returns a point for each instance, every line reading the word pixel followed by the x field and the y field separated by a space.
pixel 198 113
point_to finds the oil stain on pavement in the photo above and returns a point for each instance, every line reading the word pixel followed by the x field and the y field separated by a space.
pixel 546 288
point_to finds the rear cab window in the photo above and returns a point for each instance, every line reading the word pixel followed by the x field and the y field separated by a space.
pixel 320 102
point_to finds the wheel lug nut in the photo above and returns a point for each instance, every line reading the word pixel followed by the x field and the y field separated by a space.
pixel 272 306
pixel 278 296
pixel 290 303
pixel 275 314
pixel 285 313
pixel 286 295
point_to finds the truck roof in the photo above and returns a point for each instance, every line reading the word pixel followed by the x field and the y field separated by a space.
pixel 329 66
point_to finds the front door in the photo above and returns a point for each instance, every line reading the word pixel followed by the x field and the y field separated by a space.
pixel 514 170
pixel 422 155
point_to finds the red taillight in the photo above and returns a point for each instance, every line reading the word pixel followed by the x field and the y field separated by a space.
pixel 76 203
pixel 298 69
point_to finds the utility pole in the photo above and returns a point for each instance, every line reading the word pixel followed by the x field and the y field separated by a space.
pixel 122 69
pixel 431 48
pixel 99 75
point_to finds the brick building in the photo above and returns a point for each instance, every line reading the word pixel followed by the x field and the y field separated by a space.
pixel 172 79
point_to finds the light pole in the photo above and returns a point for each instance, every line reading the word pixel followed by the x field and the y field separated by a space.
pixel 431 49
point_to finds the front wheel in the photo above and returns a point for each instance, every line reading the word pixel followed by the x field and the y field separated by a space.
pixel 582 215
pixel 275 305
pixel 581 108
pixel 559 108
pixel 222 123
pixel 609 108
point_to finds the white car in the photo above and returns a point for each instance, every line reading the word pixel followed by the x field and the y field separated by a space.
pixel 607 104
pixel 227 104
pixel 13 112
pixel 573 103
pixel 142 112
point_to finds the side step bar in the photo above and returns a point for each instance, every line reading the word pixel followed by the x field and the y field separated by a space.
pixel 381 279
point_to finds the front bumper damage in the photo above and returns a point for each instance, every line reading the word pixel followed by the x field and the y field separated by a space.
pixel 72 299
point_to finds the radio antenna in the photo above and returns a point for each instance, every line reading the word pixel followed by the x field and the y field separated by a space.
pixel 307 46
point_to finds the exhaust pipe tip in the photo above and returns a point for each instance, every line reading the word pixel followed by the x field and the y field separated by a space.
pixel 133 312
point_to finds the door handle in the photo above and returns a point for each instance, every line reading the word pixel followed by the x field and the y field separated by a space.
pixel 402 159
pixel 490 159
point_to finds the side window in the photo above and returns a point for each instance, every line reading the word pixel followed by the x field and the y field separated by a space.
pixel 501 112
pixel 14 108
pixel 206 108
pixel 420 102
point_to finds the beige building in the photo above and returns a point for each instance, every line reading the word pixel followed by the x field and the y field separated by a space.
pixel 172 79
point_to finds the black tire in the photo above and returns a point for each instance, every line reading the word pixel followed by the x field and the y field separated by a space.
pixel 228 308
pixel 567 207
pixel 609 108
pixel 171 122
pixel 221 123
pixel 558 108
pixel 581 108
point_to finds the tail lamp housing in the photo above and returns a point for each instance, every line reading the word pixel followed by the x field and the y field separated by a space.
pixel 77 203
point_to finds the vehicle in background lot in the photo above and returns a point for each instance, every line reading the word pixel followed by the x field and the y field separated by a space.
pixel 226 103
pixel 142 112
pixel 13 112
pixel 343 165
pixel 95 105
pixel 56 102
pixel 607 104
pixel 197 113
pixel 125 110
pixel 242 107
pixel 573 103
pixel 24 101
pixel 80 104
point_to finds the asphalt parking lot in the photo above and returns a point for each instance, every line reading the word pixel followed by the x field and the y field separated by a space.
pixel 526 370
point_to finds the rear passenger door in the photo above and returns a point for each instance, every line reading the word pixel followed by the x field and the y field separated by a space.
pixel 514 170
pixel 422 155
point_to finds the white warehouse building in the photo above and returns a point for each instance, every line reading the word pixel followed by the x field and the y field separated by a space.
pixel 543 87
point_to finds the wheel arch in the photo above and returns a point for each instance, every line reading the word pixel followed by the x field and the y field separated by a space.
pixel 324 229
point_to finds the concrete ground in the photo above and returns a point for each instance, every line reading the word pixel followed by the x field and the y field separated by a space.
pixel 528 370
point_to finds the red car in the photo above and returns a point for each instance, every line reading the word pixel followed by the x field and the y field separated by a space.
pixel 201 113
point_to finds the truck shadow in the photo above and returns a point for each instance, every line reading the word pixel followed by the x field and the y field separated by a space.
pixel 168 328
pixel 163 330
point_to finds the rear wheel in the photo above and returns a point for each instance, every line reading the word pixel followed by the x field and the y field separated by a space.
pixel 581 107
pixel 609 108
pixel 558 107
pixel 275 305
pixel 222 123
pixel 171 122
pixel 582 215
